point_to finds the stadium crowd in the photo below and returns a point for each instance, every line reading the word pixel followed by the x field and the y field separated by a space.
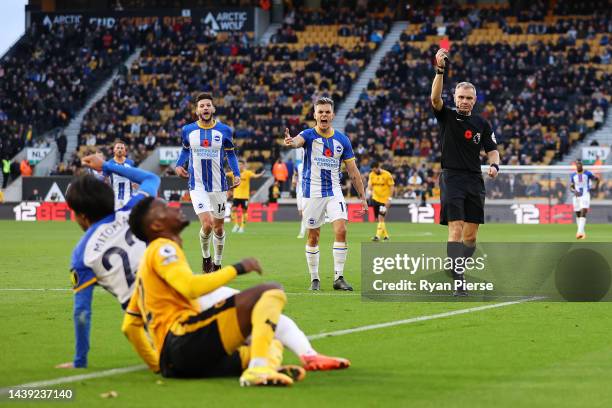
pixel 259 89
pixel 539 97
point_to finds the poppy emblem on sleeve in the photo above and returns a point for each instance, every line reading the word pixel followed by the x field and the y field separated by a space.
pixel 205 143
pixel 468 134
pixel 327 153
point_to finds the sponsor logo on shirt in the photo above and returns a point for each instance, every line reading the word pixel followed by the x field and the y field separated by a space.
pixel 205 153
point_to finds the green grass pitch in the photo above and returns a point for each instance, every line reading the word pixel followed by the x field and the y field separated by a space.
pixel 533 354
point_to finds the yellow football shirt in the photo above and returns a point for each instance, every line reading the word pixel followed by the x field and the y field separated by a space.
pixel 243 191
pixel 381 185
pixel 167 290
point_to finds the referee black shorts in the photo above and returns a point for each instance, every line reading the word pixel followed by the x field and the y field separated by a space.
pixel 462 197
pixel 204 345
pixel 377 205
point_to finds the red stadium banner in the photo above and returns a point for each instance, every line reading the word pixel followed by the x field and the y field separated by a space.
pixel 518 213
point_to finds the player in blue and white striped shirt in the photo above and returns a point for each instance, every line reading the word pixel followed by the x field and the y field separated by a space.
pixel 121 185
pixel 206 144
pixel 324 151
pixel 580 185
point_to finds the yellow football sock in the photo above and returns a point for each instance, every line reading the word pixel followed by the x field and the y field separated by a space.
pixel 234 216
pixel 379 229
pixel 384 230
pixel 244 218
pixel 264 319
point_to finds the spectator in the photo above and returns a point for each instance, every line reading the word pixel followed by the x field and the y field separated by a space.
pixel 598 117
pixel 61 146
pixel 35 196
pixel 6 171
pixel 274 192
pixel 280 172
pixel 25 169
pixel 15 170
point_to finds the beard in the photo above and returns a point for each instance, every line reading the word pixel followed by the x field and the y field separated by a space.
pixel 203 117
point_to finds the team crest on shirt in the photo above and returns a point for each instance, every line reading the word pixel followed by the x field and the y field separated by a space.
pixel 311 221
pixel 168 254
pixel 216 137
pixel 477 138
pixel 468 134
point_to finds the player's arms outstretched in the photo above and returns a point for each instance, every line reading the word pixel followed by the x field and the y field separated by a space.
pixel 149 182
pixel 258 175
pixel 436 86
pixel 293 142
pixel 355 176
pixel 179 275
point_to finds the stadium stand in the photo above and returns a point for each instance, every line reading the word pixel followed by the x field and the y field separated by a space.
pixel 259 89
pixel 539 84
pixel 50 73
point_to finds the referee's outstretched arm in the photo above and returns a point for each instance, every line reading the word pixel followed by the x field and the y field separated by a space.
pixel 436 87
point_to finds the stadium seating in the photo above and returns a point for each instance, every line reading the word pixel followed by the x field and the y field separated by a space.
pixel 258 89
pixel 50 73
pixel 537 86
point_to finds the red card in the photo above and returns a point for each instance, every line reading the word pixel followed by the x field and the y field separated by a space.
pixel 445 43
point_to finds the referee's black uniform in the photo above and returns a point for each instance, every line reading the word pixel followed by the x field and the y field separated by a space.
pixel 462 190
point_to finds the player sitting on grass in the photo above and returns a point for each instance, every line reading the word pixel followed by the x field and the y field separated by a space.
pixel 108 254
pixel 192 342
pixel 113 257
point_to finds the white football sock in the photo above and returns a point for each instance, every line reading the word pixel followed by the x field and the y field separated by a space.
pixel 339 250
pixel 205 244
pixel 312 259
pixel 288 333
pixel 581 221
pixel 218 243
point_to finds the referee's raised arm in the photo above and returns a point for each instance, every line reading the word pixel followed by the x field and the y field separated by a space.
pixel 436 86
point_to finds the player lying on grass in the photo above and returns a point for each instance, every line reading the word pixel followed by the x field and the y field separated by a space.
pixel 108 255
pixel 189 341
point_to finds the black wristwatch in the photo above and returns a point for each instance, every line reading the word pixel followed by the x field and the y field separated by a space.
pixel 496 166
pixel 439 71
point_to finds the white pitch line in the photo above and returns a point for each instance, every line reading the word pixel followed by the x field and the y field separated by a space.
pixel 34 289
pixel 116 371
pixel 75 378
pixel 418 319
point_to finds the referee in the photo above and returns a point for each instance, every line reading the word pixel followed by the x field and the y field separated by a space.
pixel 462 190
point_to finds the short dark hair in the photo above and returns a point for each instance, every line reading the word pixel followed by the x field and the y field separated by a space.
pixel 324 101
pixel 119 141
pixel 202 96
pixel 375 164
pixel 137 218
pixel 90 197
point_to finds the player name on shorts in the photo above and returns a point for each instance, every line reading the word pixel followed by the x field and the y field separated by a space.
pixel 424 285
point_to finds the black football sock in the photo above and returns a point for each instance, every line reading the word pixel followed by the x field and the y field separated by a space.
pixel 469 247
pixel 454 250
